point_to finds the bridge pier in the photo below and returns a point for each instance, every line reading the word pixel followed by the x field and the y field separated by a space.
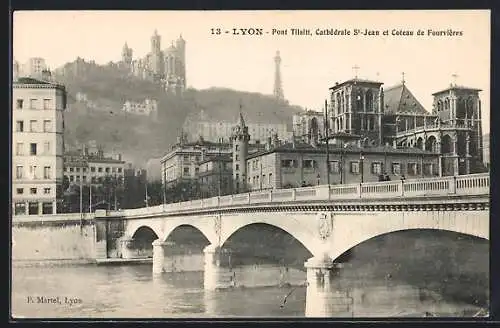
pixel 126 248
pixel 218 273
pixel 322 298
pixel 171 257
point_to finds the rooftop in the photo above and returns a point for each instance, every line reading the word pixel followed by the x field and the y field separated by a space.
pixel 399 99
pixel 356 80
pixel 300 147
pixel 456 87
pixel 36 82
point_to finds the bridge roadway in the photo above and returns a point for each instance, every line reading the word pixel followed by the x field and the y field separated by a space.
pixel 327 220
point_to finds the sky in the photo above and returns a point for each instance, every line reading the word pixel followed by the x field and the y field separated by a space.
pixel 310 63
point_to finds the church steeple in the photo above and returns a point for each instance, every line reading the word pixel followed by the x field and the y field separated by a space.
pixel 240 138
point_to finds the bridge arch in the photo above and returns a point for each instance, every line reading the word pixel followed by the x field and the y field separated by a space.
pixel 132 230
pixel 475 224
pixel 304 234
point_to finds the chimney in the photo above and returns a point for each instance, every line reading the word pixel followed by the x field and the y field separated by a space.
pixel 119 157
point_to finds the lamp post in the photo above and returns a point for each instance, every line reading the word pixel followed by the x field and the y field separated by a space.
pixel 319 178
pixel 361 166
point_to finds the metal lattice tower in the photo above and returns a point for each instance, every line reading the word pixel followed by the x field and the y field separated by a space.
pixel 278 89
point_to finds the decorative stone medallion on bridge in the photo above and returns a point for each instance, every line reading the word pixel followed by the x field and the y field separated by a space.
pixel 218 226
pixel 325 225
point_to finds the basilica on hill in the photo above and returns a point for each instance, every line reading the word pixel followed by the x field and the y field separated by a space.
pixel 167 66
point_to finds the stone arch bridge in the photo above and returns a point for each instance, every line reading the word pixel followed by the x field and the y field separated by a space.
pixel 326 220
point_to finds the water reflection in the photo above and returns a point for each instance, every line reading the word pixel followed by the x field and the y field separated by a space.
pixel 134 292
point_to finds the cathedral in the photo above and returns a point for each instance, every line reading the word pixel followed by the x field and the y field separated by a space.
pixel 361 112
pixel 167 67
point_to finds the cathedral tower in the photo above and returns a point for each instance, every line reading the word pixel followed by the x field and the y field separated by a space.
pixel 156 55
pixel 181 52
pixel 278 89
pixel 240 138
pixel 127 55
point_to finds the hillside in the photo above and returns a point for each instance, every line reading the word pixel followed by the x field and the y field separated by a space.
pixel 139 138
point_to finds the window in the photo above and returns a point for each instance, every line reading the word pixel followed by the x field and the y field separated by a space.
pixel 236 157
pixel 19 104
pixel 289 163
pixel 20 209
pixel 77 169
pixel 33 191
pixel 46 191
pixel 33 103
pixel 47 103
pixel 237 148
pixel 33 149
pixel 186 171
pixel 113 170
pixel 46 148
pixel 19 172
pixel 376 168
pixel 84 178
pixel 46 172
pixel 19 149
pixel 71 178
pixel 270 177
pixel 71 169
pixel 107 170
pixel 197 158
pixel 93 179
pixel 47 126
pixel 119 170
pixel 47 208
pixel 396 168
pixel 308 164
pixel 84 169
pixel 33 170
pixel 33 127
pixel 412 169
pixel 334 167
pixel 99 170
pixel 196 170
pixel 92 169
pixel 237 167
pixel 20 191
pixel 355 167
pixel 186 157
pixel 19 126
pixel 428 169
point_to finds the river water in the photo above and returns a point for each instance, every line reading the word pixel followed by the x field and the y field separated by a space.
pixel 132 291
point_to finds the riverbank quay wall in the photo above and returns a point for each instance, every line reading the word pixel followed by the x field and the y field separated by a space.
pixel 64 237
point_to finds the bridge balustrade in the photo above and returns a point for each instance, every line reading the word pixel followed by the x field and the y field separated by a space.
pixel 429 187
pixel 386 189
pixel 344 192
pixel 473 184
pixel 307 193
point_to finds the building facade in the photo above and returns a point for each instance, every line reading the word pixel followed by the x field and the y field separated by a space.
pixel 182 162
pixel 33 67
pixel 215 176
pixel 167 66
pixel 212 130
pixel 149 107
pixel 86 167
pixel 38 146
pixel 309 126
pixel 292 165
